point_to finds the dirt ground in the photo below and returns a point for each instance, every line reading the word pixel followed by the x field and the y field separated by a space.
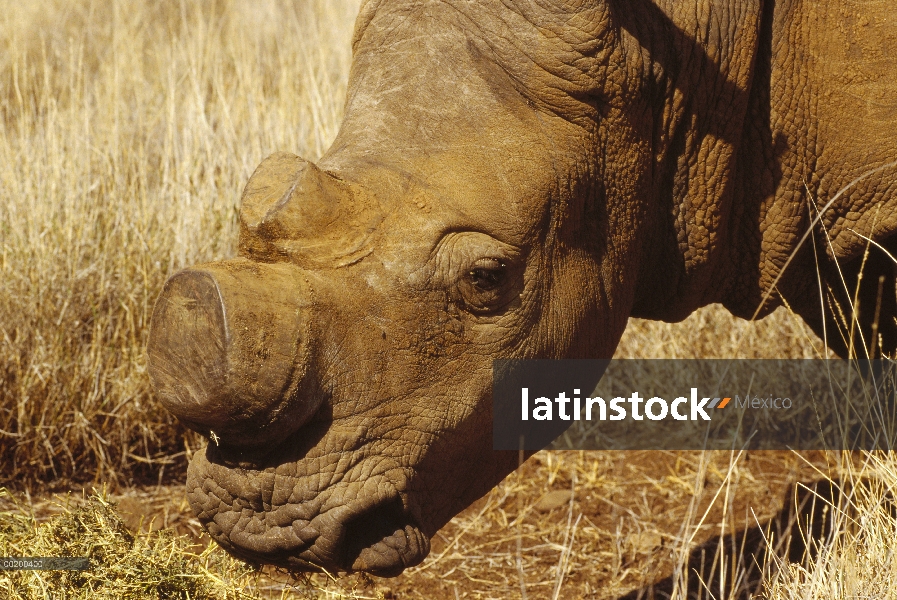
pixel 565 525
pixel 633 512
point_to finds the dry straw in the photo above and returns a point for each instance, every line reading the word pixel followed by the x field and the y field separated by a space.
pixel 122 564
pixel 127 130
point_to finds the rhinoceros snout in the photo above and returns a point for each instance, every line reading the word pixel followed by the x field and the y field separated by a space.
pixel 228 351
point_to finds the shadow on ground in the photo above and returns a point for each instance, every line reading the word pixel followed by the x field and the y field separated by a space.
pixel 796 533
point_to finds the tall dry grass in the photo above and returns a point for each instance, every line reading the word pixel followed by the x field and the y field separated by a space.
pixel 857 559
pixel 127 130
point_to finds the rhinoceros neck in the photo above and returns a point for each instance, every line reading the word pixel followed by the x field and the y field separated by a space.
pixel 700 78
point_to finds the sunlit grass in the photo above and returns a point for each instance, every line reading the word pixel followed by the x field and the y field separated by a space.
pixel 122 564
pixel 127 131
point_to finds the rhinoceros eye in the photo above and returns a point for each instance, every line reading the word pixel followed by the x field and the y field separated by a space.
pixel 488 274
pixel 481 274
pixel 484 286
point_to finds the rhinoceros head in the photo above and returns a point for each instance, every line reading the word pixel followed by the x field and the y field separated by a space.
pixel 342 365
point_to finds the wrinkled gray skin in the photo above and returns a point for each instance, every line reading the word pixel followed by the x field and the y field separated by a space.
pixel 517 179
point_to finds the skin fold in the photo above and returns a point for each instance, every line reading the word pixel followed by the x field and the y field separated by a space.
pixel 515 180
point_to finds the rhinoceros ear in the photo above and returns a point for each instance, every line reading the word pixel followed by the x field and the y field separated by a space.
pixel 292 210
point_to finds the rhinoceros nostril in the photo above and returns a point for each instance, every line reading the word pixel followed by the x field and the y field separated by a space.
pixel 228 351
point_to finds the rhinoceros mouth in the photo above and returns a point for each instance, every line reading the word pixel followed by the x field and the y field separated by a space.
pixel 384 541
pixel 268 517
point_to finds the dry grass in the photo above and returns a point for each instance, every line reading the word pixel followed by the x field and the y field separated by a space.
pixel 127 131
pixel 122 565
pixel 857 559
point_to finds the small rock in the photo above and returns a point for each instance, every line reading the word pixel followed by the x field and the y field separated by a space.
pixel 552 500
pixel 645 542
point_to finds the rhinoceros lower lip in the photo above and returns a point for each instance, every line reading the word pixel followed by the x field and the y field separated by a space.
pixel 339 528
pixel 383 541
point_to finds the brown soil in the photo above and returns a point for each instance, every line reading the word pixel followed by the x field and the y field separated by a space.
pixel 634 508
pixel 631 516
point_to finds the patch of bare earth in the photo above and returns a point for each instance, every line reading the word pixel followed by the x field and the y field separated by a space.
pixel 601 524
pixel 565 525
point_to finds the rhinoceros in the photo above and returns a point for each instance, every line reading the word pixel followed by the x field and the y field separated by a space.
pixel 515 180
